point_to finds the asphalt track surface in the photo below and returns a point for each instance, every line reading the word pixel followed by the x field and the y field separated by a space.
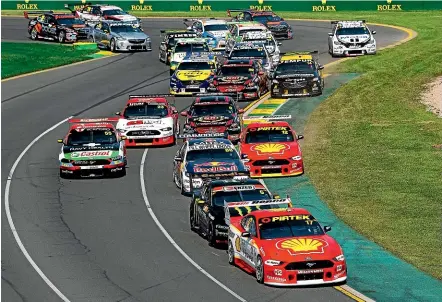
pixel 94 238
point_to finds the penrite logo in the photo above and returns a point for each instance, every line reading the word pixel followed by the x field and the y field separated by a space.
pixel 200 7
pixel 323 7
pixel 27 6
pixel 141 6
pixel 390 7
pixel 261 7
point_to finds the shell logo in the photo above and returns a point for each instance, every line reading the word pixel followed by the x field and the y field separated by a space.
pixel 270 148
pixel 302 246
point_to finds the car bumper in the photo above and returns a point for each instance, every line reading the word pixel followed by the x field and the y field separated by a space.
pixel 179 89
pixel 341 50
pixel 291 169
pixel 125 45
pixel 149 141
pixel 280 35
pixel 87 171
pixel 243 93
pixel 279 91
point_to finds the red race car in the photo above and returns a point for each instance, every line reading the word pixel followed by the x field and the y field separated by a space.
pixel 149 120
pixel 285 247
pixel 271 149
pixel 214 113
pixel 247 78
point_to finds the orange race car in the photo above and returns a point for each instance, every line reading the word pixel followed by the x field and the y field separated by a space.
pixel 270 148
pixel 283 247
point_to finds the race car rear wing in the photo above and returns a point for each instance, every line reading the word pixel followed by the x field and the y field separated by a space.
pixel 26 14
pixel 216 94
pixel 242 208
pixel 296 53
pixel 268 117
pixel 336 22
pixel 206 176
pixel 93 120
pixel 203 135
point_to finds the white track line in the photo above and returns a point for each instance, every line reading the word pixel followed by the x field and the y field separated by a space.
pixel 11 222
pixel 167 235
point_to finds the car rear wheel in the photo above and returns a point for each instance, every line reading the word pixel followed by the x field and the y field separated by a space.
pixel 259 271
pixel 34 34
pixel 192 216
pixel 113 46
pixel 61 36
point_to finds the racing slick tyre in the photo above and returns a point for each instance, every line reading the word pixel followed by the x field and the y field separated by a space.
pixel 192 217
pixel 113 45
pixel 211 235
pixel 231 253
pixel 259 271
pixel 34 34
pixel 61 36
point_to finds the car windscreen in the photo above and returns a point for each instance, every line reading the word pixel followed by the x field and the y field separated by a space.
pixel 113 12
pixel 215 27
pixel 231 71
pixel 212 154
pixel 296 67
pixel 267 18
pixel 263 136
pixel 352 31
pixel 87 136
pixel 242 32
pixel 70 21
pixel 195 66
pixel 194 47
pixel 125 29
pixel 213 109
pixel 289 226
pixel 145 110
pixel 248 53
pixel 234 196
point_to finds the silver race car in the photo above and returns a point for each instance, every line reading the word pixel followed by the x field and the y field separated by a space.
pixel 120 36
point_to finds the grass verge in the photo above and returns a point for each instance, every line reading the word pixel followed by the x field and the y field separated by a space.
pixel 20 58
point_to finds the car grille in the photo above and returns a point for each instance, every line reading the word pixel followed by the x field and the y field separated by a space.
pixel 294 85
pixel 96 162
pixel 191 82
pixel 271 171
pixel 143 133
pixel 279 28
pixel 136 41
pixel 304 277
pixel 271 162
pixel 309 265
pixel 141 140
pixel 95 172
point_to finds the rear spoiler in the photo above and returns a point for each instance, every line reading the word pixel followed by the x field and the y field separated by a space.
pixel 236 175
pixel 36 12
pixel 268 117
pixel 216 94
pixel 294 53
pixel 139 96
pixel 203 135
pixel 93 120
pixel 246 207
pixel 336 22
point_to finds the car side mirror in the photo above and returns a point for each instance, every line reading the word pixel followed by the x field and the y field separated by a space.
pixel 106 31
pixel 123 138
pixel 183 113
pixel 163 43
pixel 327 229
pixel 261 73
pixel 174 111
pixel 241 111
pixel 330 34
pixel 320 67
pixel 200 201
pixel 243 156
pixel 60 141
pixel 279 44
pixel 245 234
pixel 276 197
pixel 189 27
pixel 373 32
pixel 177 158
pixel 300 136
pixel 118 113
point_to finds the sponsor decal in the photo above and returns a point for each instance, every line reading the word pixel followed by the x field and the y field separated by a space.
pixel 310 271
pixel 274 148
pixel 238 244
pixel 389 7
pixel 238 188
pixel 200 7
pixel 287 218
pixel 215 167
pixel 261 7
pixel 323 7
pixel 302 246
pixel 27 6
pixel 276 278
pixel 141 7
pixel 91 153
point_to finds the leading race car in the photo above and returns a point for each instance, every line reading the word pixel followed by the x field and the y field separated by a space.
pixel 286 248
pixel 279 28
pixel 214 114
pixel 94 13
pixel 247 78
pixel 207 207
pixel 200 157
pixel 271 149
pixel 351 38
pixel 56 27
pixel 298 74
pixel 92 148
pixel 212 29
pixel 169 38
pixel 120 36
pixel 149 120
pixel 184 48
pixel 193 75
pixel 252 51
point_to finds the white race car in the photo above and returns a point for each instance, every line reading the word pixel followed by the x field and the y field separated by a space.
pixel 213 30
pixel 265 38
pixel 351 38
pixel 95 13
pixel 148 120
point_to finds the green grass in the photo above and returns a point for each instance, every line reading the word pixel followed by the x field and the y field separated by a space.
pixel 20 58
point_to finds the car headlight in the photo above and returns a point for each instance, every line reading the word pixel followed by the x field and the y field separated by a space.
pixel 339 258
pixel 275 82
pixel 337 43
pixel 296 157
pixel 166 129
pixel 273 262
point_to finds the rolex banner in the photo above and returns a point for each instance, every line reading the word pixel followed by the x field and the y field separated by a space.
pixel 224 5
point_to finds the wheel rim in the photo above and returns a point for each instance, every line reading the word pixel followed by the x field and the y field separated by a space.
pixel 259 270
pixel 33 33
pixel 61 37
pixel 112 45
pixel 231 253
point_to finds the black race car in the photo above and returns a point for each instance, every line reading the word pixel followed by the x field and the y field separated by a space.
pixel 168 40
pixel 207 207
pixel 56 27
pixel 298 74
